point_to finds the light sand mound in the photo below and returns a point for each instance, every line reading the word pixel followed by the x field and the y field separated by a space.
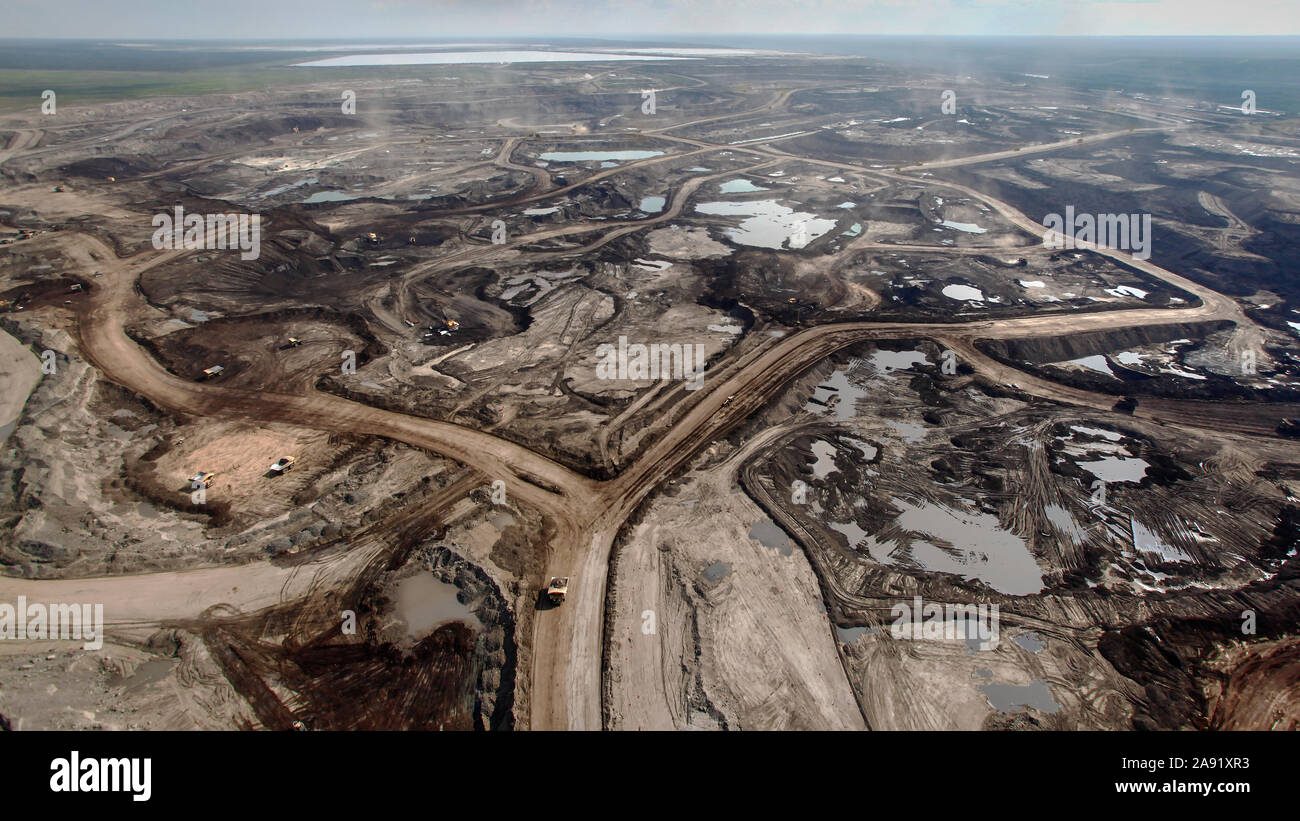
pixel 20 370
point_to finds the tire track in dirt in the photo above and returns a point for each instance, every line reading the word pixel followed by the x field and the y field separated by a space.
pixel 567 641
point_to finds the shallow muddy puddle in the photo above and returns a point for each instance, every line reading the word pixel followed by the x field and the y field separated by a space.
pixel 716 571
pixel 147 673
pixel 1145 541
pixel 910 432
pixel 869 450
pixel 1116 469
pixel 1105 434
pixel 887 361
pixel 768 534
pixel 604 156
pixel 1030 641
pixel 1009 697
pixel 328 196
pixel 769 224
pixel 980 548
pixel 1096 363
pixel 740 186
pixel 965 227
pixel 848 635
pixel 825 464
pixel 844 393
pixel 963 292
pixel 856 536
pixel 425 603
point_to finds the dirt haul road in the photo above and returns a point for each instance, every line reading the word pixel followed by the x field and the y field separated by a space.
pixel 105 343
pixel 765 373
pixel 567 641
pixel 135 606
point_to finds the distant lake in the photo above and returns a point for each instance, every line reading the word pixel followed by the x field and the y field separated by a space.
pixel 451 57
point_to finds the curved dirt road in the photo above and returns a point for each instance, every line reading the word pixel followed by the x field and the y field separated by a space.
pixel 567 642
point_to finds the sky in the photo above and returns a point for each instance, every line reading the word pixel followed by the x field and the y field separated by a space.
pixel 343 19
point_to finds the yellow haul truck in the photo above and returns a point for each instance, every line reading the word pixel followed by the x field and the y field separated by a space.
pixel 557 590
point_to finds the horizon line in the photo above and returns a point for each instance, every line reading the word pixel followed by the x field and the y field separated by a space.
pixel 644 36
